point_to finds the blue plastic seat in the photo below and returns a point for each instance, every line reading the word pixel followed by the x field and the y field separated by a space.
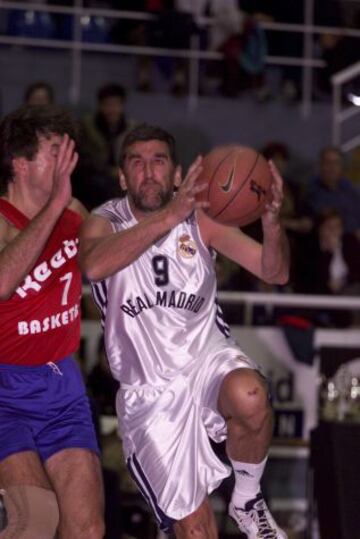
pixel 95 29
pixel 30 23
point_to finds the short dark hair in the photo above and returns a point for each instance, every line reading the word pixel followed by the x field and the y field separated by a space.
pixel 20 131
pixel 111 90
pixel 275 148
pixel 144 133
pixel 331 149
pixel 39 86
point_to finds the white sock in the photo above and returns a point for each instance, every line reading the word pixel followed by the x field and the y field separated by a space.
pixel 247 480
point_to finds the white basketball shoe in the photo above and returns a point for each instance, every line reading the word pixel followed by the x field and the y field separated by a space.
pixel 255 520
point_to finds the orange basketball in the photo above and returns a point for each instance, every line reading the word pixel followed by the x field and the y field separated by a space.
pixel 239 180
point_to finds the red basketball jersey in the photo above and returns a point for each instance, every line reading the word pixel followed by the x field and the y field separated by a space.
pixel 41 320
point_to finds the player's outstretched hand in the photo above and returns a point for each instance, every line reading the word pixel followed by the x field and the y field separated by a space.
pixel 66 161
pixel 185 202
pixel 271 214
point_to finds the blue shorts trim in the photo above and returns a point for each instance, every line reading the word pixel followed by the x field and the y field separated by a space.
pixel 44 409
pixel 165 523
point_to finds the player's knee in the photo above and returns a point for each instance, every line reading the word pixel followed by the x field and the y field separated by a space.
pixel 31 512
pixel 245 396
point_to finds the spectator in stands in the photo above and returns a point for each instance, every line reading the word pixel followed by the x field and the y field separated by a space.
pixel 331 265
pixel 288 44
pixel 338 51
pixel 338 263
pixel 170 28
pixel 236 34
pixel 136 32
pixel 330 189
pixel 101 135
pixel 39 93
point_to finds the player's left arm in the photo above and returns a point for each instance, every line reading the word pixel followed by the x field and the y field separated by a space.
pixel 268 261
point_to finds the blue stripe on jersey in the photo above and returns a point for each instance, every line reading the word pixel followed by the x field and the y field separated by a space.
pixel 220 320
pixel 166 523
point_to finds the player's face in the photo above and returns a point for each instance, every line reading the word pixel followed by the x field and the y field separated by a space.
pixel 41 167
pixel 148 175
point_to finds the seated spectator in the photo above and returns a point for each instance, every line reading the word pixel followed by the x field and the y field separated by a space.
pixel 338 263
pixel 39 93
pixel 331 265
pixel 330 189
pixel 101 134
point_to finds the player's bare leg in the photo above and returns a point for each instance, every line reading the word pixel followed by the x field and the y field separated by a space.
pixel 76 477
pixel 30 503
pixel 199 525
pixel 244 403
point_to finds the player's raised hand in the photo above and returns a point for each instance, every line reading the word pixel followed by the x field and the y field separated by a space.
pixel 271 214
pixel 185 201
pixel 65 164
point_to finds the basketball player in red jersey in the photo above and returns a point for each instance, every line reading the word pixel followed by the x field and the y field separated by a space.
pixel 50 476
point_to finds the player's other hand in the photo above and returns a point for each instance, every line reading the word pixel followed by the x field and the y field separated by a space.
pixel 185 201
pixel 65 164
pixel 272 211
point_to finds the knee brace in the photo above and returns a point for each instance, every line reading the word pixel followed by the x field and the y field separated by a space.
pixel 31 513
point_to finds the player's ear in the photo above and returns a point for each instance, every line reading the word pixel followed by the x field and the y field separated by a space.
pixel 122 180
pixel 177 176
pixel 19 165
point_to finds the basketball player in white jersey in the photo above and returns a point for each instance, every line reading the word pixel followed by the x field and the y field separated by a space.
pixel 150 259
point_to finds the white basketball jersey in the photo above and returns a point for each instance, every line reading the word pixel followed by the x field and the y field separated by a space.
pixel 160 313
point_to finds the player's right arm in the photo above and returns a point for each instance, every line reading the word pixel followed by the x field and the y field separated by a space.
pixel 20 252
pixel 103 252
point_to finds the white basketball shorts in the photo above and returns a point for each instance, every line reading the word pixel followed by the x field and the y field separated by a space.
pixel 165 432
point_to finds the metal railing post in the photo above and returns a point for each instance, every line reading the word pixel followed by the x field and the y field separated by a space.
pixel 76 56
pixel 194 69
pixel 307 78
pixel 336 106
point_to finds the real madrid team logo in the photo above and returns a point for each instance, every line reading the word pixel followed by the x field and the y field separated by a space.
pixel 187 247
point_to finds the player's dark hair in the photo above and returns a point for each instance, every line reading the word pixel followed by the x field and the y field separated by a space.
pixel 20 131
pixel 144 133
